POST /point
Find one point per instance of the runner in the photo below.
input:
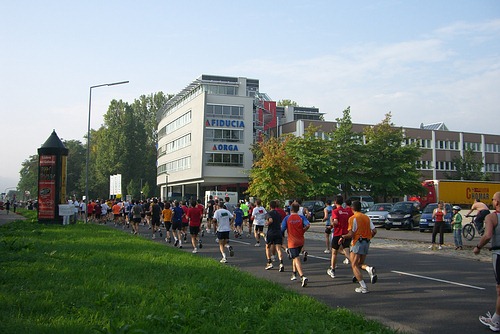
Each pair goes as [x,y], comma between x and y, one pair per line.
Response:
[259,220]
[340,223]
[295,225]
[274,238]
[223,219]
[167,220]
[177,215]
[194,218]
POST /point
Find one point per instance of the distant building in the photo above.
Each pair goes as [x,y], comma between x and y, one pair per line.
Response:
[205,133]
[440,146]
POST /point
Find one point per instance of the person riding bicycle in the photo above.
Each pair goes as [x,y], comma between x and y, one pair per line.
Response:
[482,210]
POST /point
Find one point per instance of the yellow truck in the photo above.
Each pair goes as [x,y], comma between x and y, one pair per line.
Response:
[458,192]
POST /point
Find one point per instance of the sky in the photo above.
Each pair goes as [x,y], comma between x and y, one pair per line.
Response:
[425,61]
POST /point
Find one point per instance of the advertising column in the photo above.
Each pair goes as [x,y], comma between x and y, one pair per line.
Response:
[52,157]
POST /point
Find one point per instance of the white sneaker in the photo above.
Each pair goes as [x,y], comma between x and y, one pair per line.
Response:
[431,246]
[373,275]
[326,251]
[361,290]
[223,260]
[269,266]
[257,244]
[440,247]
[488,321]
[346,261]
[331,272]
[195,250]
[304,281]
[294,277]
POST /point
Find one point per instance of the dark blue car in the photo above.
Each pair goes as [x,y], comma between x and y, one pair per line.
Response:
[426,222]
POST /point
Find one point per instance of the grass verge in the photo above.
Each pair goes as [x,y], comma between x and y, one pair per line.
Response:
[88,278]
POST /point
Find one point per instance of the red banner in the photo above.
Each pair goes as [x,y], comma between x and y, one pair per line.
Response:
[47,187]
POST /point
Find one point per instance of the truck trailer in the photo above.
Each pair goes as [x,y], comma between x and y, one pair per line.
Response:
[458,192]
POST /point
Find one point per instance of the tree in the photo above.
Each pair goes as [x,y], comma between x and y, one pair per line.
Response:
[275,175]
[391,166]
[28,181]
[313,156]
[286,102]
[347,156]
[75,167]
[469,167]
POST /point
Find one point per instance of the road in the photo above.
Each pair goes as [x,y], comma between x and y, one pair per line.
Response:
[418,290]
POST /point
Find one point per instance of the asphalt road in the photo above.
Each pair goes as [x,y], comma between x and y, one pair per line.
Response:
[418,291]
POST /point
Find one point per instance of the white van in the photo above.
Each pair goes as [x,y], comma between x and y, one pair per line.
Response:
[367,199]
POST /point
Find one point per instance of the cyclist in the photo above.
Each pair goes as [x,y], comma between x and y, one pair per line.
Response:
[482,210]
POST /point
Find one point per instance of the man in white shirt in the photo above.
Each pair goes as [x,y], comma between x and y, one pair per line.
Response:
[259,220]
[223,219]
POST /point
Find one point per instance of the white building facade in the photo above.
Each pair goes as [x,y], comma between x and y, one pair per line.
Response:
[205,133]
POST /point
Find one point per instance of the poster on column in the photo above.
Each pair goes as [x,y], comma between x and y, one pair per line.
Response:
[47,187]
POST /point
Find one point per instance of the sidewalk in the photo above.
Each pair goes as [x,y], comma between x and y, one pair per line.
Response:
[7,218]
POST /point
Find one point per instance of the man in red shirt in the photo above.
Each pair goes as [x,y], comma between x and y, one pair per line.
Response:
[340,222]
[295,225]
[194,214]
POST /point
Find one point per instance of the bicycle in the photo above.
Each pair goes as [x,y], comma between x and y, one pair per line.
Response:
[469,229]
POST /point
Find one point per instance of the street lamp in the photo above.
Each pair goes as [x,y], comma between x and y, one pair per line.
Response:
[88,141]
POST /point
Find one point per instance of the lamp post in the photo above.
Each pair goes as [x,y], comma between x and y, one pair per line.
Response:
[88,140]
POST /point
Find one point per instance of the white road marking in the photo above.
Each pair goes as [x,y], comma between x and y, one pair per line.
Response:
[438,280]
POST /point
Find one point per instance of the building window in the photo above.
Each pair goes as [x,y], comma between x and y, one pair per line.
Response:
[225,135]
[217,110]
[178,143]
[174,166]
[221,90]
[492,168]
[225,159]
[174,125]
[472,146]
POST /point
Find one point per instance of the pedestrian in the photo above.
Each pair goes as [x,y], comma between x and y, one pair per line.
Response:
[274,238]
[295,226]
[438,218]
[177,215]
[456,223]
[245,208]
[482,211]
[167,220]
[155,218]
[238,221]
[361,230]
[327,215]
[136,216]
[194,219]
[340,224]
[223,219]
[210,212]
[259,221]
[185,220]
[492,232]
[7,206]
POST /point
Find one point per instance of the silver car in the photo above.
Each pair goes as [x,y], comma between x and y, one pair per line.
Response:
[378,213]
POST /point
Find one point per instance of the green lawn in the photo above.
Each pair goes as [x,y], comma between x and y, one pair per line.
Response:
[88,278]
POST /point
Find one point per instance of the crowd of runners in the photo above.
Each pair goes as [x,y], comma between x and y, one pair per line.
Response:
[280,228]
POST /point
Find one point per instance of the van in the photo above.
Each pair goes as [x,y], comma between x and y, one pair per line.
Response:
[367,199]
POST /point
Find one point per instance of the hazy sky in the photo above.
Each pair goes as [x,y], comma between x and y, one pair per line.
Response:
[425,61]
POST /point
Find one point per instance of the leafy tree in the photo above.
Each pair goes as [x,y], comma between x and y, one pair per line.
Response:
[347,156]
[469,167]
[275,175]
[391,166]
[75,167]
[286,102]
[313,156]
[29,176]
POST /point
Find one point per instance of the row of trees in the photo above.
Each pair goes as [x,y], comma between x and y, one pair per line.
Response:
[312,167]
[125,144]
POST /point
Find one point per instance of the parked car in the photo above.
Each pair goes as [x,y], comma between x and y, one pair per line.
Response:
[365,207]
[367,199]
[426,222]
[378,213]
[315,209]
[403,215]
